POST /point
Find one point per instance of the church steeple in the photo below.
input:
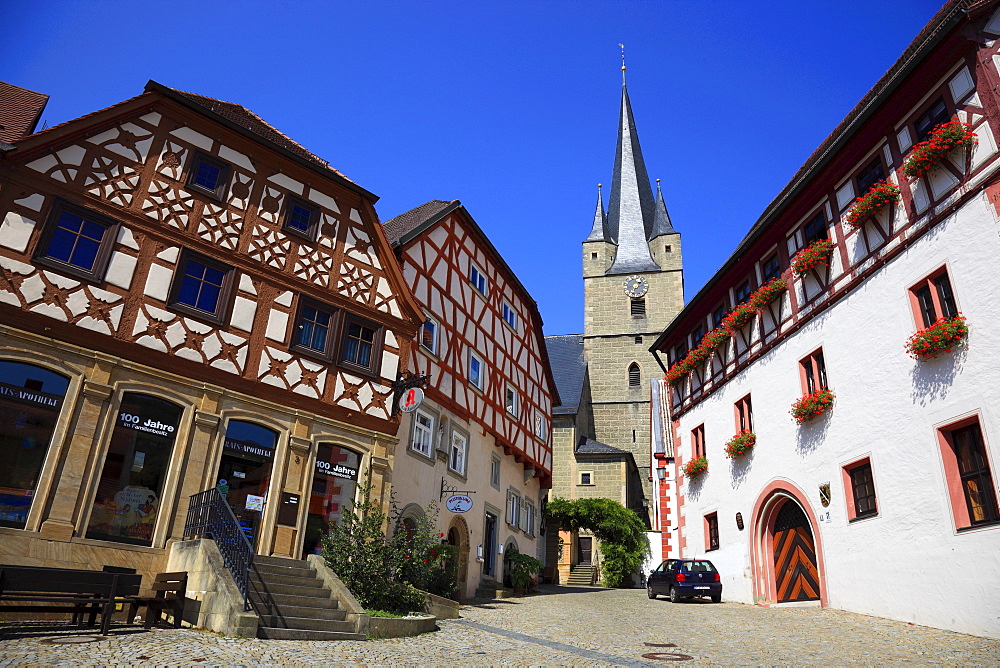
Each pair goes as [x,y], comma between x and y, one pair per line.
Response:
[599,232]
[631,207]
[661,219]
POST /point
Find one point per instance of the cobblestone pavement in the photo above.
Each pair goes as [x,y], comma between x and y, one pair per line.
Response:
[559,627]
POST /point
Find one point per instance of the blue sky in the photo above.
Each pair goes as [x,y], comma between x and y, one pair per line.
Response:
[510,107]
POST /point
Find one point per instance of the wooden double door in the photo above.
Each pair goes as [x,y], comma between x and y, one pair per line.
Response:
[795,572]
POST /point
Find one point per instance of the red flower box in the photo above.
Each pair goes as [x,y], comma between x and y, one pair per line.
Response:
[695,467]
[812,405]
[943,140]
[767,293]
[740,443]
[879,196]
[939,338]
[814,255]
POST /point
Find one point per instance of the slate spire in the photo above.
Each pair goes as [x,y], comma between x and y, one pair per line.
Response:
[661,219]
[599,232]
[631,207]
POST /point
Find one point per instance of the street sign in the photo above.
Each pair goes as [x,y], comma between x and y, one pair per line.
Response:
[458,503]
[411,399]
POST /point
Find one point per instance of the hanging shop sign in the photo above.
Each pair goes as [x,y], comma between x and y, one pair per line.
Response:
[458,503]
[411,400]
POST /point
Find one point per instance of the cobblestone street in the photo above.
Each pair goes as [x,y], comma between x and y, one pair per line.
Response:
[560,626]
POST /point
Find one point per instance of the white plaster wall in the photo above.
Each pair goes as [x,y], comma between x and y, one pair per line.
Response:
[909,562]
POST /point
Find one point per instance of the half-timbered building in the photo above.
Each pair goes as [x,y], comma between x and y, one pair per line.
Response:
[189,300]
[863,302]
[483,431]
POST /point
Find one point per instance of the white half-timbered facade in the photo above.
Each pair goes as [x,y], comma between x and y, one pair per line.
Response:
[857,505]
[485,425]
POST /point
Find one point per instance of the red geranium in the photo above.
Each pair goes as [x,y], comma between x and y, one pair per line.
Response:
[879,196]
[941,337]
[943,140]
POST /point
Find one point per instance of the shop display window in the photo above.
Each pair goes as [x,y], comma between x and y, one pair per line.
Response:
[245,472]
[334,485]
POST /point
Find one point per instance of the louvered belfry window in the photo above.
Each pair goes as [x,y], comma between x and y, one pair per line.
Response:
[638,308]
[633,375]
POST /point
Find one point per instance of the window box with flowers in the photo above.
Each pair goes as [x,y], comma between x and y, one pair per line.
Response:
[812,405]
[943,140]
[879,196]
[739,317]
[699,355]
[695,467]
[814,255]
[767,293]
[941,337]
[739,444]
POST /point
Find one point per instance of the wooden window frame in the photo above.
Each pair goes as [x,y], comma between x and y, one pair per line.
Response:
[956,480]
[849,474]
[719,314]
[511,401]
[225,170]
[743,412]
[711,532]
[330,346]
[698,441]
[821,226]
[495,467]
[528,513]
[513,509]
[925,112]
[430,436]
[312,229]
[378,339]
[767,274]
[103,257]
[481,385]
[812,372]
[224,303]
[876,165]
[541,426]
[932,283]
[451,452]
[742,292]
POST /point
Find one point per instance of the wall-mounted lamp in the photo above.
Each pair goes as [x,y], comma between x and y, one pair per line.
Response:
[661,472]
[479,553]
[500,548]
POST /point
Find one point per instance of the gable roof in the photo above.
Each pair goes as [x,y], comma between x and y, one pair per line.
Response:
[20,111]
[588,446]
[404,224]
[569,368]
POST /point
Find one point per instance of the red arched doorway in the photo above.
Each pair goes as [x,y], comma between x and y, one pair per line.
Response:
[787,554]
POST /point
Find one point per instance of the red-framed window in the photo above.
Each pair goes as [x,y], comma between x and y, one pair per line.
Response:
[698,441]
[859,486]
[711,532]
[932,298]
[812,372]
[968,474]
[744,414]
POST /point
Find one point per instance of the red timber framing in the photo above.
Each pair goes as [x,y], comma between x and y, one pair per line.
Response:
[130,163]
[437,253]
[952,59]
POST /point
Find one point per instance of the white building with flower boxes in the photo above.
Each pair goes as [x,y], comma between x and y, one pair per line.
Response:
[860,381]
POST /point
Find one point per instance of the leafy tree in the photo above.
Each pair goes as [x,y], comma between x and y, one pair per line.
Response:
[621,531]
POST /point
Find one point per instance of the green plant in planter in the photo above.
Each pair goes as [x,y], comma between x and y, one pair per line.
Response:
[739,317]
[811,405]
[695,467]
[939,338]
[767,293]
[879,196]
[523,568]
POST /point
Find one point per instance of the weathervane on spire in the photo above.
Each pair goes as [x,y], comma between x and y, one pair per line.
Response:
[623,61]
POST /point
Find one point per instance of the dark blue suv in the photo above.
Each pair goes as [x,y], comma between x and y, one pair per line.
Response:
[684,578]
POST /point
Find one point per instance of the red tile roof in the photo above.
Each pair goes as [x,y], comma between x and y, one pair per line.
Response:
[20,110]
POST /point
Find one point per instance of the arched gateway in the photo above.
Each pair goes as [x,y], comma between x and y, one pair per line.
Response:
[787,556]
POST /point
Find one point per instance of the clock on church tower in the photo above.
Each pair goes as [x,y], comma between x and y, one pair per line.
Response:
[636,286]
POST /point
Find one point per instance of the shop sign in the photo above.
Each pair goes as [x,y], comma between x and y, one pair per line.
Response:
[248,447]
[337,470]
[148,425]
[255,502]
[458,503]
[33,397]
[411,400]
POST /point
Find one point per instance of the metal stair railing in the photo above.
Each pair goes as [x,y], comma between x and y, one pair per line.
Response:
[209,516]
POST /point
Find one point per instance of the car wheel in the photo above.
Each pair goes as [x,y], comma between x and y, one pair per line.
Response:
[716,598]
[674,596]
[649,592]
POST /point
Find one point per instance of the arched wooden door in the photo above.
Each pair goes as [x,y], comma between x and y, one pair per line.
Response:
[795,573]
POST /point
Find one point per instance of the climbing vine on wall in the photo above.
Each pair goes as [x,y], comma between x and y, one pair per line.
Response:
[620,530]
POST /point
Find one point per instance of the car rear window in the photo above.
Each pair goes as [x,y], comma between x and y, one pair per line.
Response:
[699,567]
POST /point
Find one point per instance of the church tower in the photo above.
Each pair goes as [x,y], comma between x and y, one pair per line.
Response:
[633,287]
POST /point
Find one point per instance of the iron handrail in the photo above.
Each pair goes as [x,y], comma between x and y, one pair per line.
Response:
[209,516]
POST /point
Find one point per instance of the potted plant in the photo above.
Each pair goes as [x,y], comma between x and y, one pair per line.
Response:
[939,338]
[943,140]
[811,405]
[739,317]
[767,293]
[740,443]
[523,568]
[879,196]
[695,467]
[814,255]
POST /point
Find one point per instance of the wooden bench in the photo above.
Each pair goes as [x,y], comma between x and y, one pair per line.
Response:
[170,589]
[33,589]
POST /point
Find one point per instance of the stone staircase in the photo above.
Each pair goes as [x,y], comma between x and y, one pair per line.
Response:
[581,575]
[293,604]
